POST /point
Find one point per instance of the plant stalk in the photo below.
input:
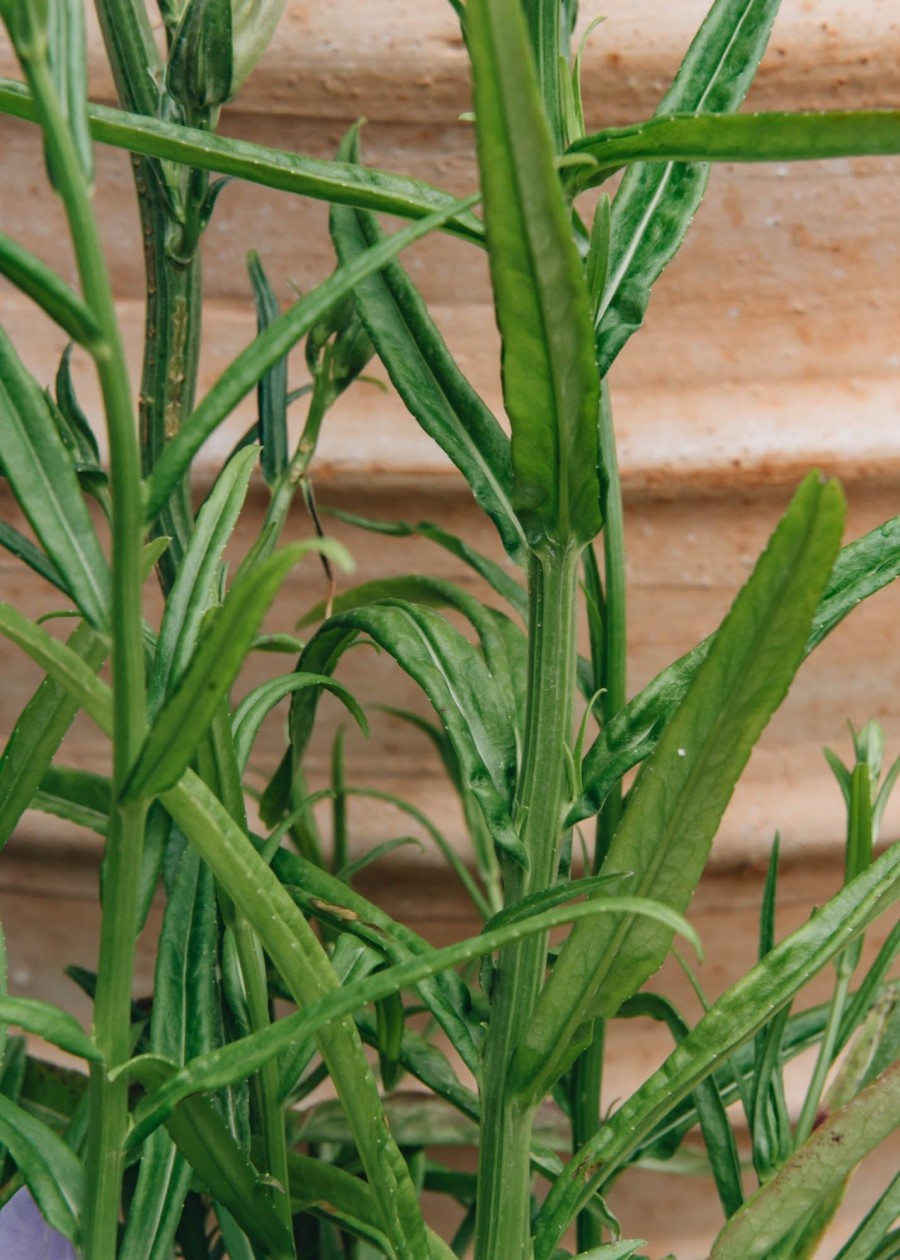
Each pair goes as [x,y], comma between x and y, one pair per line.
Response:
[587,1073]
[504,1178]
[108,1101]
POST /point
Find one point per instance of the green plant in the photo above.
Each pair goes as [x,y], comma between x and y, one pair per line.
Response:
[199,1095]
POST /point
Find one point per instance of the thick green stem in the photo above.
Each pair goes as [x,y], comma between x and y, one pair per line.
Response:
[504,1178]
[112,1010]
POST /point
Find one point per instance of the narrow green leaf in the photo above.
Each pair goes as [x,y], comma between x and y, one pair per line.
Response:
[655,203]
[328,1191]
[862,568]
[52,1024]
[497,578]
[204,1140]
[718,1135]
[44,482]
[197,587]
[76,795]
[456,681]
[550,385]
[173,739]
[445,994]
[250,714]
[182,1024]
[67,54]
[39,731]
[272,390]
[824,1161]
[269,347]
[864,1242]
[295,951]
[337,182]
[237,1060]
[52,1172]
[503,644]
[37,281]
[705,137]
[425,374]
[26,551]
[675,806]
[731,1020]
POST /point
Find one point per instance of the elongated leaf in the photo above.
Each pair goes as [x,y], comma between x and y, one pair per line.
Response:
[53,295]
[655,204]
[254,708]
[731,1020]
[503,644]
[52,1172]
[43,480]
[40,729]
[76,795]
[745,138]
[196,588]
[862,568]
[182,1024]
[718,1135]
[425,374]
[872,1230]
[445,994]
[24,549]
[338,182]
[323,1188]
[295,951]
[203,1139]
[550,385]
[238,1059]
[54,1025]
[496,577]
[675,807]
[174,737]
[457,683]
[269,347]
[823,1162]
[67,54]
[271,392]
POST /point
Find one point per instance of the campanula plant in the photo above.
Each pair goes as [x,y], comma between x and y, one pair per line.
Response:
[183,1138]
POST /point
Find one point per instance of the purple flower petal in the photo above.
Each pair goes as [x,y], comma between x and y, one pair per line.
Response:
[24,1232]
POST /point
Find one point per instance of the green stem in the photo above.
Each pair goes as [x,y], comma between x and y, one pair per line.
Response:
[827,1050]
[112,1009]
[504,1177]
[587,1074]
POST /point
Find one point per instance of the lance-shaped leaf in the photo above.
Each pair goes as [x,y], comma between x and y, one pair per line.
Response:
[51,1170]
[39,732]
[425,374]
[655,204]
[675,807]
[550,386]
[40,471]
[813,1173]
[269,347]
[744,138]
[254,708]
[54,1025]
[67,49]
[453,675]
[52,294]
[733,1018]
[174,737]
[874,1228]
[182,1024]
[196,588]
[239,1058]
[338,182]
[862,568]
